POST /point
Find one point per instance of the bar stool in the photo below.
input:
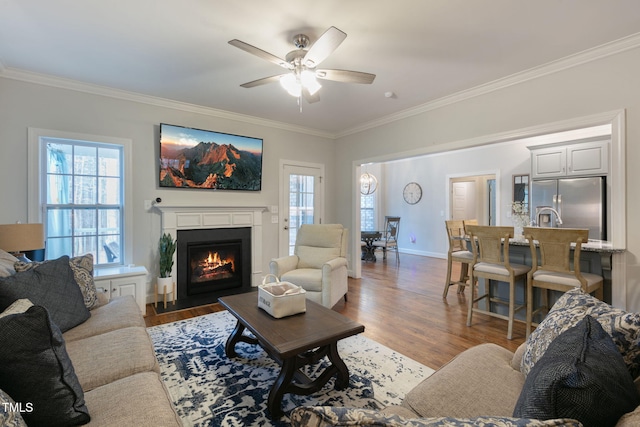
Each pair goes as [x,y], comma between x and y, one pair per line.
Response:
[457,253]
[491,262]
[555,271]
[469,222]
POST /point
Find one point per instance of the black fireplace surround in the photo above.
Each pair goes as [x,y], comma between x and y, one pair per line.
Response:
[194,288]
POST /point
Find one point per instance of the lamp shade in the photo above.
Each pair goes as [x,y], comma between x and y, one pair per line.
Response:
[21,237]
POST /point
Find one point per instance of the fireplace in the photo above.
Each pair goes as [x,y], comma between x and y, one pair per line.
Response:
[212,263]
[198,220]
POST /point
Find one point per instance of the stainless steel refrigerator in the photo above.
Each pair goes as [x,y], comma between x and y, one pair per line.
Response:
[580,202]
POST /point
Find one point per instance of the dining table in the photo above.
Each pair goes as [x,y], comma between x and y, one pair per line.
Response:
[368,249]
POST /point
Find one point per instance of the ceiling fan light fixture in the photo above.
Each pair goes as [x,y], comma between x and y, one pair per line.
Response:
[308,79]
[291,84]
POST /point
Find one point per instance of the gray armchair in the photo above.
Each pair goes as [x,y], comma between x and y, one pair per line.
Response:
[319,263]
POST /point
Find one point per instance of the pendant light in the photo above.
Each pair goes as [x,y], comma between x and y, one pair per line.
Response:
[368,184]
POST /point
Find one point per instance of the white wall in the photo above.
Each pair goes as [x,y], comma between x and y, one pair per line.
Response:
[607,84]
[24,105]
[425,220]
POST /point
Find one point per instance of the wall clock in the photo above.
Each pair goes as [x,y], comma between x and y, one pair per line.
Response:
[412,193]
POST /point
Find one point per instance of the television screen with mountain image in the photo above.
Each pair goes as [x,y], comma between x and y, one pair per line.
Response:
[196,158]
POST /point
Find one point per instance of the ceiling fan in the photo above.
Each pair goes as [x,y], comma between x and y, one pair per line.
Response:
[300,80]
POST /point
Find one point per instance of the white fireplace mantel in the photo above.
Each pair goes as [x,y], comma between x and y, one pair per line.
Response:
[175,218]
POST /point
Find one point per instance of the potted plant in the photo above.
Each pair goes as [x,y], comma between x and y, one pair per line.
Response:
[166,249]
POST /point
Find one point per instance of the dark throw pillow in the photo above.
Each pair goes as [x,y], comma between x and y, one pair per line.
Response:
[82,267]
[582,376]
[573,306]
[36,371]
[51,285]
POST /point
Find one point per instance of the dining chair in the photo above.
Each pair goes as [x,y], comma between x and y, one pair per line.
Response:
[458,252]
[557,269]
[490,245]
[389,240]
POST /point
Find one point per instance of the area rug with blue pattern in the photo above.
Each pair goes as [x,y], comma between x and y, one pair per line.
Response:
[209,389]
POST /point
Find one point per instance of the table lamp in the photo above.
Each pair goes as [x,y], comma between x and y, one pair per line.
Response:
[20,238]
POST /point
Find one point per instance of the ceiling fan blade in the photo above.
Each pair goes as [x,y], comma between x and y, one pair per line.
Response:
[260,53]
[263,81]
[346,76]
[310,98]
[322,48]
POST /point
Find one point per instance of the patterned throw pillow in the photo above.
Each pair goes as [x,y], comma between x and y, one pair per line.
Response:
[6,264]
[329,416]
[10,412]
[575,305]
[82,267]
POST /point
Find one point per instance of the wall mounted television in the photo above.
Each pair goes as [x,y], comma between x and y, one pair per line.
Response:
[196,158]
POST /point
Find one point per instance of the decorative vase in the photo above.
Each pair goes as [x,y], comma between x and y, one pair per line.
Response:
[518,231]
[519,222]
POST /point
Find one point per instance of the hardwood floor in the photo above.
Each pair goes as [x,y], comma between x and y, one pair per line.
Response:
[402,308]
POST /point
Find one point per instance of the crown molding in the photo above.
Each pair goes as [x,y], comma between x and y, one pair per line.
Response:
[589,55]
[62,83]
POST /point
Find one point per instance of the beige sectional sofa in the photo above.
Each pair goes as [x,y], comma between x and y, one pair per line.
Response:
[69,356]
[114,360]
[488,385]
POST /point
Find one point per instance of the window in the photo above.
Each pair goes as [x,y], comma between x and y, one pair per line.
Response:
[81,196]
[368,212]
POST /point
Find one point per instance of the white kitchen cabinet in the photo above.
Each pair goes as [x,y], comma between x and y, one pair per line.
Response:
[589,158]
[119,281]
[580,159]
[548,162]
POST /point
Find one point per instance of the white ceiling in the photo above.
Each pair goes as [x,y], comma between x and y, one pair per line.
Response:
[421,50]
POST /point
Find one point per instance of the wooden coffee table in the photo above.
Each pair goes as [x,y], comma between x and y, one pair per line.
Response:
[293,342]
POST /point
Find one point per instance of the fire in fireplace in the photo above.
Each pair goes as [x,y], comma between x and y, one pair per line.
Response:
[212,263]
[214,266]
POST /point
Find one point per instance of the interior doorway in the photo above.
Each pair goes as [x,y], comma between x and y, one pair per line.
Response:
[473,197]
[463,200]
